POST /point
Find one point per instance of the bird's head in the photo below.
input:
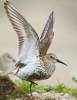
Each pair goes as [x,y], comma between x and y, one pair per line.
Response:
[8,58]
[53,58]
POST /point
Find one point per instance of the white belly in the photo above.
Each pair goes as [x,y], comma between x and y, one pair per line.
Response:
[28,70]
[40,72]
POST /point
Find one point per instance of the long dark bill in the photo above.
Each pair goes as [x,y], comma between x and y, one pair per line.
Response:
[61,62]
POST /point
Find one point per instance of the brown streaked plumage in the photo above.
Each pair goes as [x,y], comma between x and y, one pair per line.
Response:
[46,59]
[47,35]
[33,62]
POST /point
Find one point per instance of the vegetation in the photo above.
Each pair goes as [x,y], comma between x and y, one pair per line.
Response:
[59,88]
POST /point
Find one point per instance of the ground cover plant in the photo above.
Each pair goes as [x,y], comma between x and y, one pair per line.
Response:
[60,87]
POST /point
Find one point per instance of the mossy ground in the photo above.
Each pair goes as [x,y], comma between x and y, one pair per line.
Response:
[10,90]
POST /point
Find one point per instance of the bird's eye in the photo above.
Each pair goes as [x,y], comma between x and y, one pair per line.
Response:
[51,57]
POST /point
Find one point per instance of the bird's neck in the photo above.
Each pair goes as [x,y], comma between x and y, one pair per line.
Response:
[46,61]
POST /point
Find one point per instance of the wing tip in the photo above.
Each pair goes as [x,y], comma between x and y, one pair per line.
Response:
[52,17]
[52,12]
[6,3]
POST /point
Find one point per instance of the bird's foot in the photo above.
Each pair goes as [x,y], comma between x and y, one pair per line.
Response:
[32,83]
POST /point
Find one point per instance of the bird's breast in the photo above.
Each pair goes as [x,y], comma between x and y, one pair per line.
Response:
[50,68]
[34,72]
[42,72]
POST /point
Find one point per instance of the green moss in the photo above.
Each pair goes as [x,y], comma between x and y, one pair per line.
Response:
[59,88]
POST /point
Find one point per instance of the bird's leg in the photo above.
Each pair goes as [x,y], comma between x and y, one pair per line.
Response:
[32,83]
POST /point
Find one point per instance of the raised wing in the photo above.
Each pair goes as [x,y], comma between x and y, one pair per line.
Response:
[28,38]
[47,35]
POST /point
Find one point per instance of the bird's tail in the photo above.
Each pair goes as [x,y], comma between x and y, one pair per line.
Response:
[13,72]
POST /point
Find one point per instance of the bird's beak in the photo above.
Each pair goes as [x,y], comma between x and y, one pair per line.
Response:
[14,60]
[60,62]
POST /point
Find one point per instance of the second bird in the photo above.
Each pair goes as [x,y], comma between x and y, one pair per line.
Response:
[5,60]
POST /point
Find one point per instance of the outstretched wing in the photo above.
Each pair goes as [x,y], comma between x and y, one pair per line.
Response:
[47,35]
[28,38]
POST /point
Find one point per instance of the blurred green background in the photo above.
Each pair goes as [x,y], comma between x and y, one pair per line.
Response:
[64,44]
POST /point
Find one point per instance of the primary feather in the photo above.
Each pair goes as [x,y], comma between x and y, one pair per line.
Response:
[30,47]
[28,38]
[47,35]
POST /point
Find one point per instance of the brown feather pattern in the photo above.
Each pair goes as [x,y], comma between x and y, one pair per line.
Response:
[21,25]
[47,35]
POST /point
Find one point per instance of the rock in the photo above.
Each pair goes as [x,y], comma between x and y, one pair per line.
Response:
[9,90]
[53,96]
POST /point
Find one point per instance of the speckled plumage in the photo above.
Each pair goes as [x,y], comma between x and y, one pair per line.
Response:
[33,63]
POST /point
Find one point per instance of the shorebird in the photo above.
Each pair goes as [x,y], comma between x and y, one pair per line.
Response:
[33,63]
[5,60]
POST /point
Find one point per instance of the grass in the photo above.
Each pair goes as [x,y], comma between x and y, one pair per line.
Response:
[59,88]
[23,85]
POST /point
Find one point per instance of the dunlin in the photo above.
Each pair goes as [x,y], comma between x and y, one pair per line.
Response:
[32,63]
[5,60]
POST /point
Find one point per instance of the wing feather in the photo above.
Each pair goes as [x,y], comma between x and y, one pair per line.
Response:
[27,36]
[47,35]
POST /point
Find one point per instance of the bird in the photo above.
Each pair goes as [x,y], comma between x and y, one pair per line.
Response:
[5,60]
[33,62]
